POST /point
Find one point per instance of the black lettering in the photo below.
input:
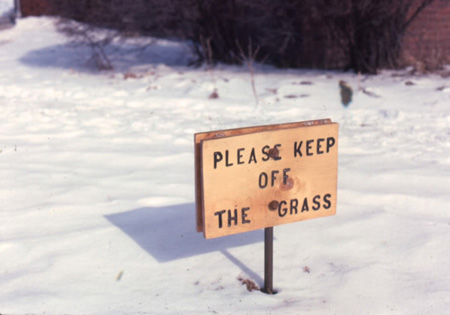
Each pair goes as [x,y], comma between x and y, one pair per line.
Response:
[316,202]
[309,147]
[219,214]
[277,158]
[330,142]
[252,157]
[298,149]
[227,163]
[285,176]
[319,145]
[232,218]
[294,205]
[305,206]
[327,202]
[274,177]
[265,151]
[239,156]
[263,180]
[282,211]
[244,215]
[217,158]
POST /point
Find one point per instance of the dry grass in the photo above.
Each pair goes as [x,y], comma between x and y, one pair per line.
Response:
[251,285]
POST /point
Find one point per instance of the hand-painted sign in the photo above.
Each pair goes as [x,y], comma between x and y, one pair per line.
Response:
[258,177]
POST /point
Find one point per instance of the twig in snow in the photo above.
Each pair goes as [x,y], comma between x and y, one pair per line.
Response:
[249,58]
[209,62]
[369,93]
[251,285]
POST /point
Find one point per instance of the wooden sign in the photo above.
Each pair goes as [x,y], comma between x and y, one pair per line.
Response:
[259,177]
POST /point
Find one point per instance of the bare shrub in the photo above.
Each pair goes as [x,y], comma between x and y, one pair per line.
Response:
[273,26]
[119,20]
[86,34]
[288,33]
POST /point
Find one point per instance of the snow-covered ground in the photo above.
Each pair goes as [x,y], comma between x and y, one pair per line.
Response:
[6,13]
[97,187]
[6,6]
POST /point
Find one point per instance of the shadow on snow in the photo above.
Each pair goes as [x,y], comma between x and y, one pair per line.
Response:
[122,56]
[168,233]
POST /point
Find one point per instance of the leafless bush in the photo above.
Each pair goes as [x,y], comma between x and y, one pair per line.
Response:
[273,26]
[96,40]
[368,32]
[117,20]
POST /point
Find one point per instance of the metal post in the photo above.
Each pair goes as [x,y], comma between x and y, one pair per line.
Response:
[268,260]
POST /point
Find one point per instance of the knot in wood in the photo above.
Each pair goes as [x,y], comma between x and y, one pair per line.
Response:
[273,153]
[273,205]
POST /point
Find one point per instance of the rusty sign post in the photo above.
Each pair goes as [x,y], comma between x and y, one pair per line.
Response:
[268,261]
[259,177]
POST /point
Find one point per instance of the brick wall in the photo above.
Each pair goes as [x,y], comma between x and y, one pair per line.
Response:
[427,40]
[35,8]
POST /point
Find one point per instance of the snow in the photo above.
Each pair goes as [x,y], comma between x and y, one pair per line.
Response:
[97,187]
[6,6]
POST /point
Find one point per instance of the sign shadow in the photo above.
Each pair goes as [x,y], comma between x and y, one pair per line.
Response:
[168,233]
